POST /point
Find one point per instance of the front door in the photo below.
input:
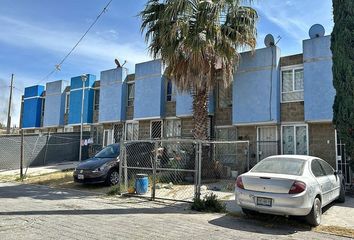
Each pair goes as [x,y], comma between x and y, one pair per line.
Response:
[107,137]
[267,144]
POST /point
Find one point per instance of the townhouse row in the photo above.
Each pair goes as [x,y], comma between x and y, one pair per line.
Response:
[282,105]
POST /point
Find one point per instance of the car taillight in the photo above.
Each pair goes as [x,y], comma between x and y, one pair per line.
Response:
[297,187]
[239,182]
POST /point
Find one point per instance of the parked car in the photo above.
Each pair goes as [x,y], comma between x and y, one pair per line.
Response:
[290,185]
[102,168]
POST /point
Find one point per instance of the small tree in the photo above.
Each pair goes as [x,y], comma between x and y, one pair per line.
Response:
[342,46]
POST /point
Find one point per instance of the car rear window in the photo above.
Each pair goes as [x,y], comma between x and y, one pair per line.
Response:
[289,166]
[111,151]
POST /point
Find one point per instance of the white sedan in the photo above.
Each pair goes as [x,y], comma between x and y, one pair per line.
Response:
[290,185]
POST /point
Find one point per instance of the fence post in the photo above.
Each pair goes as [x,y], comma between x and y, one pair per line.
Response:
[248,155]
[153,193]
[121,156]
[199,169]
[21,154]
[196,173]
[125,168]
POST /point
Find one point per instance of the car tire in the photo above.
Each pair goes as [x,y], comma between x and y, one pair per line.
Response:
[112,178]
[341,198]
[314,217]
[248,212]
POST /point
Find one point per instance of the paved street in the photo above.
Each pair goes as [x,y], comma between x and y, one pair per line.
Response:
[38,212]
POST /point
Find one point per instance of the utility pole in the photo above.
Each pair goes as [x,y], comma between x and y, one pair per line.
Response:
[10,103]
[83,79]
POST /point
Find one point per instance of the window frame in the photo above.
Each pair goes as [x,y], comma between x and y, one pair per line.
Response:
[172,94]
[96,106]
[220,85]
[130,100]
[133,123]
[292,68]
[294,125]
[177,123]
[67,103]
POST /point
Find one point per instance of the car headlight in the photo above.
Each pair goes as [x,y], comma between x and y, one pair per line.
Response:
[101,168]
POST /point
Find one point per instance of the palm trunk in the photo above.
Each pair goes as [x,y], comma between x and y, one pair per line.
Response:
[200,114]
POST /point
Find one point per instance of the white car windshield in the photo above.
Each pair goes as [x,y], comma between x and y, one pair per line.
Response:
[289,166]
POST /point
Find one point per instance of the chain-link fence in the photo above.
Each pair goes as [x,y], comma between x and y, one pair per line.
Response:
[179,169]
[40,149]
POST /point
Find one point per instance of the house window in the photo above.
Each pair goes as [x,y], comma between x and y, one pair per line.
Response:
[172,128]
[132,131]
[96,105]
[67,102]
[156,129]
[131,93]
[171,92]
[294,138]
[224,95]
[292,85]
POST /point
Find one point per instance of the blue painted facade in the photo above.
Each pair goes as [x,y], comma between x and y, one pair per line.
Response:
[32,106]
[184,104]
[112,100]
[54,104]
[256,88]
[76,100]
[319,92]
[149,102]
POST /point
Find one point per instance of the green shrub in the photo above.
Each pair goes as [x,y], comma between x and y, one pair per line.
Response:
[210,203]
[114,190]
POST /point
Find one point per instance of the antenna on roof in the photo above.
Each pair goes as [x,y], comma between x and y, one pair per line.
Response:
[278,39]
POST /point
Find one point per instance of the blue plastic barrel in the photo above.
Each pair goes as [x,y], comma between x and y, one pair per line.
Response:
[141,183]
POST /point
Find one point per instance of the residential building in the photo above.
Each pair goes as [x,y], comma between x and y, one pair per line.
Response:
[282,105]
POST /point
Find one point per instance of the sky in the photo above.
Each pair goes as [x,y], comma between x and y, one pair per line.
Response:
[36,34]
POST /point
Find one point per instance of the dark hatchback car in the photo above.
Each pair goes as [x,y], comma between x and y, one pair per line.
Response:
[102,168]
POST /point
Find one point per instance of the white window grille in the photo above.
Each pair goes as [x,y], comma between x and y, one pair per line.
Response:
[295,139]
[132,131]
[172,128]
[292,85]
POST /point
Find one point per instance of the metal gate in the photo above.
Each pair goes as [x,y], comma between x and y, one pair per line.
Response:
[181,169]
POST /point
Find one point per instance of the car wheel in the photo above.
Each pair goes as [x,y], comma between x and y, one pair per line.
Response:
[112,178]
[314,217]
[341,198]
[249,212]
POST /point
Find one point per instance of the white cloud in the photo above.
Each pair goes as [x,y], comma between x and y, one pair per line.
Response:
[101,47]
[296,17]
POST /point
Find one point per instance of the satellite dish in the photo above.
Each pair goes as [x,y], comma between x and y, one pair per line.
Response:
[316,31]
[117,63]
[269,40]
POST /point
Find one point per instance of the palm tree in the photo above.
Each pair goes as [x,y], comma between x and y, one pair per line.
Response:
[195,39]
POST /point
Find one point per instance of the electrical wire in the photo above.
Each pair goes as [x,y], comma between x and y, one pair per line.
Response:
[58,66]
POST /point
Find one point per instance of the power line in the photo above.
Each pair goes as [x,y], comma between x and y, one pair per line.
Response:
[58,66]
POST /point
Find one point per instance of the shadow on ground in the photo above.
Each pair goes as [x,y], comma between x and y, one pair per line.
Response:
[36,192]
